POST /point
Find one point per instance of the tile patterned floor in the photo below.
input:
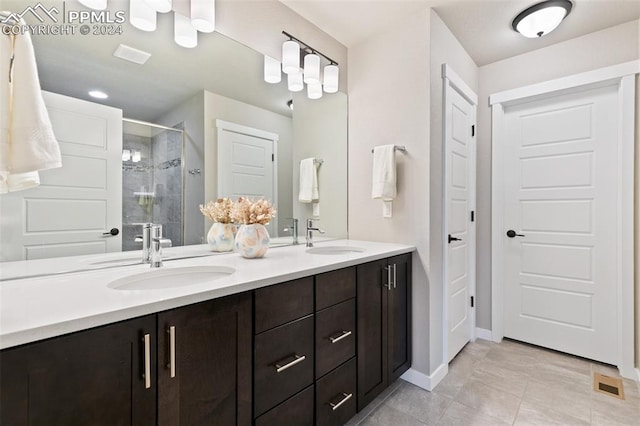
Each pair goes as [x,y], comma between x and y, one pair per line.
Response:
[509,383]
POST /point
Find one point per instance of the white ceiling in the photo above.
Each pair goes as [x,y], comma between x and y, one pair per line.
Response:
[483,27]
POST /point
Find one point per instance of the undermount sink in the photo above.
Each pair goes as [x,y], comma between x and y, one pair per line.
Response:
[165,278]
[335,250]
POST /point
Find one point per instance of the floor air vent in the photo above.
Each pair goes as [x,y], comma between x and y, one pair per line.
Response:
[608,385]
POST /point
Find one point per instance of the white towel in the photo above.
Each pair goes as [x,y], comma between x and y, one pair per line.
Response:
[308,181]
[27,142]
[384,177]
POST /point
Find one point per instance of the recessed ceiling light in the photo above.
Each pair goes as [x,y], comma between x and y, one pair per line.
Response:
[131,54]
[541,18]
[98,94]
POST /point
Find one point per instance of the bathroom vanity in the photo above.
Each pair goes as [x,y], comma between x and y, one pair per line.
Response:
[299,337]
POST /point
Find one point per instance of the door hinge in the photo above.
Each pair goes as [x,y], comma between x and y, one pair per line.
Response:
[472,301]
[273,157]
[473,216]
[473,130]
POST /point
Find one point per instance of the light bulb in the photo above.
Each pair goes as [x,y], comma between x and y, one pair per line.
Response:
[314,91]
[290,57]
[184,34]
[294,82]
[142,16]
[136,156]
[312,69]
[272,73]
[331,78]
[126,155]
[203,15]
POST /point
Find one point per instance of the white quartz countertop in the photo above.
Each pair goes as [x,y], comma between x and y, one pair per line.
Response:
[33,309]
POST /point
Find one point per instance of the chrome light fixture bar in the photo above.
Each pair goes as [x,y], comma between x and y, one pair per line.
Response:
[541,18]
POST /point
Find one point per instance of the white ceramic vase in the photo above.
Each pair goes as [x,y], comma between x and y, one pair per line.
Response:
[221,236]
[252,240]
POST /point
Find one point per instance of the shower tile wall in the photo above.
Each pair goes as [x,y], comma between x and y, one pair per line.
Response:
[159,172]
[136,177]
[167,157]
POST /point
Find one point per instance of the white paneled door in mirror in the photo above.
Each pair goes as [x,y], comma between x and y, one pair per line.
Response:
[76,206]
[560,218]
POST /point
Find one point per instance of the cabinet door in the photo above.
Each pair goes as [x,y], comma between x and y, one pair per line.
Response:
[211,381]
[93,377]
[372,299]
[399,317]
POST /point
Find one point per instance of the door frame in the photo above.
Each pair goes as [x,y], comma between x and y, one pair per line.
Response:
[222,125]
[452,81]
[623,75]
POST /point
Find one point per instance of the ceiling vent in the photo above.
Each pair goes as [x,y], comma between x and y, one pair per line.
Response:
[131,54]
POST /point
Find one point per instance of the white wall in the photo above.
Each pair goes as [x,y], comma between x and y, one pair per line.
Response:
[389,103]
[231,110]
[319,131]
[596,50]
[445,48]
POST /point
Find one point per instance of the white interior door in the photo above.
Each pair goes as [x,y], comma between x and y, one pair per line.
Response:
[246,160]
[76,204]
[560,199]
[459,139]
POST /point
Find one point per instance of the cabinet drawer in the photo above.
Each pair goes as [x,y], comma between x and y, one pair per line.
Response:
[335,336]
[281,303]
[334,287]
[334,406]
[296,411]
[275,350]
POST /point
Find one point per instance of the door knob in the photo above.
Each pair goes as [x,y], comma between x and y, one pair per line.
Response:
[453,239]
[112,233]
[511,233]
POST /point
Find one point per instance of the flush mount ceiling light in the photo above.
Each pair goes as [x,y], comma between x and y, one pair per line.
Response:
[541,18]
[98,94]
[292,50]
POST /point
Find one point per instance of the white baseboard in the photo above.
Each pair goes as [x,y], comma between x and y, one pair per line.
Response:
[484,334]
[424,381]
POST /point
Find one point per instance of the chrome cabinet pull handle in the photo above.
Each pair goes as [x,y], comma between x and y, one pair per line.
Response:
[395,275]
[172,351]
[342,335]
[147,361]
[347,396]
[297,359]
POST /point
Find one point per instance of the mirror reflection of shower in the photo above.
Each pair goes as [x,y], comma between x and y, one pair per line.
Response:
[152,181]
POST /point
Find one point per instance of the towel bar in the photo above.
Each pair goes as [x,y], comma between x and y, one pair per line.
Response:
[400,148]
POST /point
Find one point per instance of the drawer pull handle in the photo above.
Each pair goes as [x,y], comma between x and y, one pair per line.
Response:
[172,351]
[147,361]
[347,396]
[340,337]
[298,359]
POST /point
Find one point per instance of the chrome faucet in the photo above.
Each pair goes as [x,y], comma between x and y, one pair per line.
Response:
[147,239]
[293,229]
[156,246]
[310,230]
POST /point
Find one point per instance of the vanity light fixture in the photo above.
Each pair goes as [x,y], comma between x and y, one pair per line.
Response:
[184,34]
[292,50]
[541,18]
[94,4]
[162,6]
[98,94]
[272,72]
[142,16]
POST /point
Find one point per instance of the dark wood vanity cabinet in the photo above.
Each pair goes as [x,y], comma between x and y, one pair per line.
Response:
[99,376]
[384,324]
[204,363]
[93,377]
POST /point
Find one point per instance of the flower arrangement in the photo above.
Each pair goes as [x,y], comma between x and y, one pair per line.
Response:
[219,212]
[247,212]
